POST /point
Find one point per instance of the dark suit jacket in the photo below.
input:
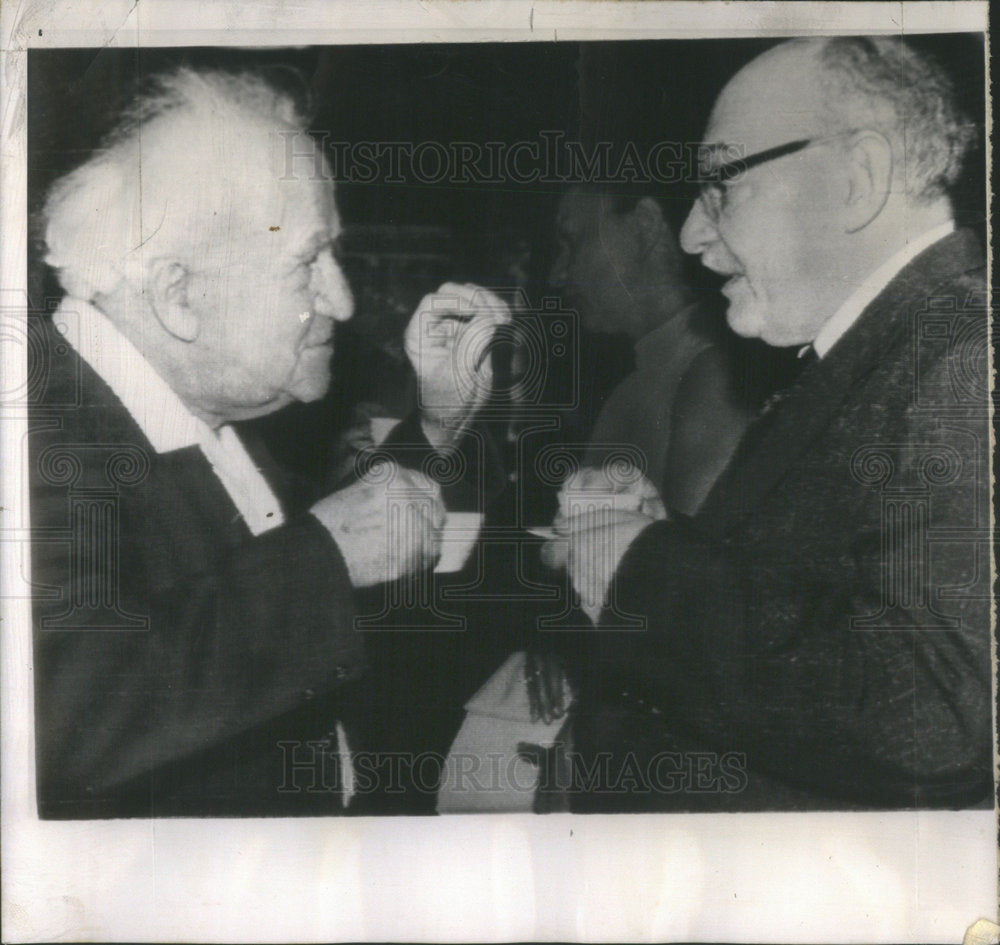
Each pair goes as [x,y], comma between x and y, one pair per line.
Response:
[180,663]
[822,625]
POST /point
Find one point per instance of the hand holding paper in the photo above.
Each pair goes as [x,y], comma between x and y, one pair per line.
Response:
[385,528]
[601,512]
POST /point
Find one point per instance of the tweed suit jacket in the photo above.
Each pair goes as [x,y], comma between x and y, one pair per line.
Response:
[824,618]
[178,660]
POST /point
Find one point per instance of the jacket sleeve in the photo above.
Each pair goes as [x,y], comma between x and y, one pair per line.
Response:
[225,648]
[753,642]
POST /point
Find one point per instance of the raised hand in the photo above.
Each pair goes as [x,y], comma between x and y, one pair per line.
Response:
[448,341]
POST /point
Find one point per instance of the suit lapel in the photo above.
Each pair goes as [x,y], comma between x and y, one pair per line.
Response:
[289,493]
[881,335]
[110,421]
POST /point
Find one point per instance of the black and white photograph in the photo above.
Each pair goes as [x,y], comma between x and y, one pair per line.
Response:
[550,462]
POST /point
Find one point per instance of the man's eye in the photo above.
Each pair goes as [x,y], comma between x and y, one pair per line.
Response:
[725,188]
[313,261]
[321,250]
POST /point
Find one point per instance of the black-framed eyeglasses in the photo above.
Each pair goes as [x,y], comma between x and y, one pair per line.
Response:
[713,184]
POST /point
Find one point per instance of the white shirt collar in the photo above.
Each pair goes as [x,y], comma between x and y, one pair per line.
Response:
[867,292]
[162,416]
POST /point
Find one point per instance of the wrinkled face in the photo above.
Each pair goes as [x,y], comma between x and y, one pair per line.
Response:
[773,226]
[267,310]
[596,270]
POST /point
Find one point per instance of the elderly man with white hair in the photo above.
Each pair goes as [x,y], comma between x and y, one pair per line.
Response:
[817,635]
[194,636]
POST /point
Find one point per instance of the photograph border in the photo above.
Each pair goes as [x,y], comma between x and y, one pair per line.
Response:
[816,877]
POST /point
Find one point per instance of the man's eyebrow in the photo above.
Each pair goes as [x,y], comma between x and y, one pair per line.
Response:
[319,241]
[725,151]
[720,160]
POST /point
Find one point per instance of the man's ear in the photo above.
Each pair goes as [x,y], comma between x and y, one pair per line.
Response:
[167,293]
[647,218]
[869,178]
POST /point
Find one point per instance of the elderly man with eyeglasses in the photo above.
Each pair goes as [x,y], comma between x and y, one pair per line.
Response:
[817,636]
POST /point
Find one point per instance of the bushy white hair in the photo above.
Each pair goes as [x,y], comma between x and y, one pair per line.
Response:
[161,176]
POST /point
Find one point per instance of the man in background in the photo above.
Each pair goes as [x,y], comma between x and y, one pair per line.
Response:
[683,409]
[676,419]
[818,634]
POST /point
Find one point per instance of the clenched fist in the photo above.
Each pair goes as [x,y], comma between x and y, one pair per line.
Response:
[386,527]
[448,342]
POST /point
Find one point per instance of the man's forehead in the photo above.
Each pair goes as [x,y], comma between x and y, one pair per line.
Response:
[312,207]
[775,99]
[321,196]
[298,214]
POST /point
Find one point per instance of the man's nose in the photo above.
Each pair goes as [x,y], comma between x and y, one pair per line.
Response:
[333,295]
[698,230]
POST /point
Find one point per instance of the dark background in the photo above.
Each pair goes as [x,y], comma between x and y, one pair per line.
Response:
[618,91]
[621,91]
